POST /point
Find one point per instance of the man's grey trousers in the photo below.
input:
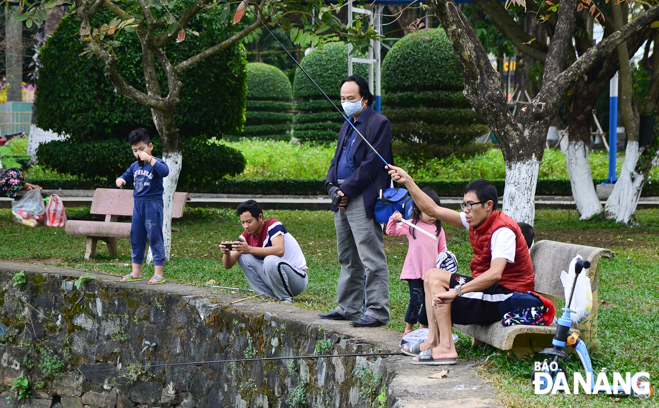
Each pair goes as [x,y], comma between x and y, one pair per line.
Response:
[360,246]
[273,276]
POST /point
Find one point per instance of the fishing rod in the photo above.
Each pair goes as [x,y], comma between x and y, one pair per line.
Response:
[418,228]
[244,360]
[314,82]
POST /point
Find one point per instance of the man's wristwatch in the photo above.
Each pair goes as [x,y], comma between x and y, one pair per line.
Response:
[457,289]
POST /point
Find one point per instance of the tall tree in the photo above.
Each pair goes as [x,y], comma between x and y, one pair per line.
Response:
[523,148]
[158,23]
[13,57]
[583,95]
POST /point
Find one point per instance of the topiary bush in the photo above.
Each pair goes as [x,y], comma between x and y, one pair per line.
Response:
[318,121]
[204,162]
[423,98]
[269,97]
[76,98]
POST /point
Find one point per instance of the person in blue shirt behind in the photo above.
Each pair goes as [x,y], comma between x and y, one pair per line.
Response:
[146,174]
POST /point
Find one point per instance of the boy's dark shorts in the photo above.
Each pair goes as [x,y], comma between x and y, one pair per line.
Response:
[477,307]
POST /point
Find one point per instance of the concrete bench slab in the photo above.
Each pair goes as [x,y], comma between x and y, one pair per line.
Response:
[113,203]
[549,259]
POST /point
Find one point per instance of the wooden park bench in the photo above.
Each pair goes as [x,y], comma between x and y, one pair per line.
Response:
[112,203]
[549,259]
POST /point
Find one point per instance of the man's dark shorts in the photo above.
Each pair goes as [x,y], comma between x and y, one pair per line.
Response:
[477,307]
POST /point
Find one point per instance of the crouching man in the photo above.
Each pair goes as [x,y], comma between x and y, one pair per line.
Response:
[268,255]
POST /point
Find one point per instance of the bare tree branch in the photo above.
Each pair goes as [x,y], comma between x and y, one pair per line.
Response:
[94,8]
[561,40]
[187,64]
[512,30]
[116,10]
[182,23]
[566,79]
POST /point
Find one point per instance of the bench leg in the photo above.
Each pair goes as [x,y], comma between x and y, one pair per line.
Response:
[91,247]
[112,246]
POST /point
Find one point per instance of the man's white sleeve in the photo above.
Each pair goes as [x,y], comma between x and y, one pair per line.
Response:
[503,244]
[463,218]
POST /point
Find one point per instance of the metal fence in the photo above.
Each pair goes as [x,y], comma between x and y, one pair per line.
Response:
[15,122]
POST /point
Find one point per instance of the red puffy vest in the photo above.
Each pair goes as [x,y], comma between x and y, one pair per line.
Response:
[517,276]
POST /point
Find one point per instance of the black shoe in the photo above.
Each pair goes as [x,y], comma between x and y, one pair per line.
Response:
[367,321]
[333,315]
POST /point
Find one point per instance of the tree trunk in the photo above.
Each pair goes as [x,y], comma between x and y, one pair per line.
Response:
[13,57]
[639,160]
[519,194]
[584,98]
[581,179]
[171,154]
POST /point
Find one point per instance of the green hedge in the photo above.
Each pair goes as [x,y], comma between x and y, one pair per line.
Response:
[429,99]
[425,134]
[262,130]
[318,117]
[328,65]
[437,113]
[203,163]
[267,115]
[433,116]
[267,106]
[268,83]
[76,98]
[321,126]
[420,151]
[317,136]
[422,61]
[552,187]
[316,105]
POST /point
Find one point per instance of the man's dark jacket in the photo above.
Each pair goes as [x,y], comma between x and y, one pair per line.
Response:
[368,166]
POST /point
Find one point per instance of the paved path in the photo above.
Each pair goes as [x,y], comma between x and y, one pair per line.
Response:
[83,198]
[411,386]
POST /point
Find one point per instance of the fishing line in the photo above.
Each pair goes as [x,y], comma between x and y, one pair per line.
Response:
[244,360]
[314,82]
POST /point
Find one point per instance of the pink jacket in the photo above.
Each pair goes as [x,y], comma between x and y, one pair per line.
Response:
[422,251]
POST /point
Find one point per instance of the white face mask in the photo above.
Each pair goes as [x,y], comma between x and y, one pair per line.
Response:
[352,108]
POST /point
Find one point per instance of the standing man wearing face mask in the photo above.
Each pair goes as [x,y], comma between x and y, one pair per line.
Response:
[353,182]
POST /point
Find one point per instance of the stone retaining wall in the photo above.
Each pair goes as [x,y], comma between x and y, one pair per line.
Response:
[86,343]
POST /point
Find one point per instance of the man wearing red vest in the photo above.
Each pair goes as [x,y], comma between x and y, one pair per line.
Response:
[501,265]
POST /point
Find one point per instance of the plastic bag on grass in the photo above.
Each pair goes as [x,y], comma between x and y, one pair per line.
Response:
[29,210]
[582,301]
[55,212]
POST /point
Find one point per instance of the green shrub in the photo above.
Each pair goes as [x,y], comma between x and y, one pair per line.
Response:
[430,99]
[328,65]
[421,62]
[423,98]
[268,102]
[204,162]
[267,105]
[76,98]
[268,83]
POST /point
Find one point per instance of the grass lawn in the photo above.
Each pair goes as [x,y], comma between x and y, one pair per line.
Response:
[629,284]
[276,160]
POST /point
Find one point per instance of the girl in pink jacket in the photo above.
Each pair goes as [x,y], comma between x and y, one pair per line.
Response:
[421,256]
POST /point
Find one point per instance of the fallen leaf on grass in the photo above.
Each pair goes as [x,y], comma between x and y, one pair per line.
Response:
[441,374]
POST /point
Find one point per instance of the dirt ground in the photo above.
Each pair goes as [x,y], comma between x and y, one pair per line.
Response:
[598,238]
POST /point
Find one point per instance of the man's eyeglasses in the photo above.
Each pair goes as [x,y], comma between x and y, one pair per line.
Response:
[468,206]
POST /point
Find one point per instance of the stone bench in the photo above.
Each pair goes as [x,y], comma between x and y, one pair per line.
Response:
[113,203]
[549,259]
